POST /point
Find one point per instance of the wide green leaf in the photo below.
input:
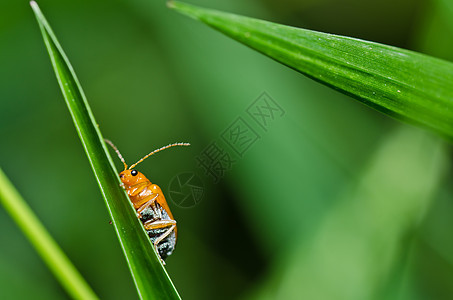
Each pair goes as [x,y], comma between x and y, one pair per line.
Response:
[407,85]
[150,277]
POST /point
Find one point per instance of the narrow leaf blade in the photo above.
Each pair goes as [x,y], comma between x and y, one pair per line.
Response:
[404,84]
[43,242]
[150,277]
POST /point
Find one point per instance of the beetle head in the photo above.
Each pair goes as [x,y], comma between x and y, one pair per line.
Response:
[131,177]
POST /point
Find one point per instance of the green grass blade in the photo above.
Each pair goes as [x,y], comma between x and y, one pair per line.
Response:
[38,236]
[407,85]
[150,277]
[360,247]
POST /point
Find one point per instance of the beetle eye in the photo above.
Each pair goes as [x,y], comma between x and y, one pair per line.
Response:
[134,172]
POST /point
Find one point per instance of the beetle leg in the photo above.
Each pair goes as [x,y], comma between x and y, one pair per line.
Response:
[150,224]
[160,224]
[137,189]
[147,204]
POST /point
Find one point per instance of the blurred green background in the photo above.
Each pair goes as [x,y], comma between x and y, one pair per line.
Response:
[333,201]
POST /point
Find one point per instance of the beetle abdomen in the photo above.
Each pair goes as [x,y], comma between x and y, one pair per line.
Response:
[155,213]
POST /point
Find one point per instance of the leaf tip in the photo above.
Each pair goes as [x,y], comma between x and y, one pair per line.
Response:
[33,4]
[35,8]
[186,9]
[170,4]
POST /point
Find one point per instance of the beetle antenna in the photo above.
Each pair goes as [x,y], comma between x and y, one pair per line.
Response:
[158,150]
[117,152]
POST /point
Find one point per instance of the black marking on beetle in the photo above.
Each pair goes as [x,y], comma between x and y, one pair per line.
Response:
[155,212]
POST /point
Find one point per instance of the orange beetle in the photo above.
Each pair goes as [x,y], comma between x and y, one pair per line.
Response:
[150,204]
